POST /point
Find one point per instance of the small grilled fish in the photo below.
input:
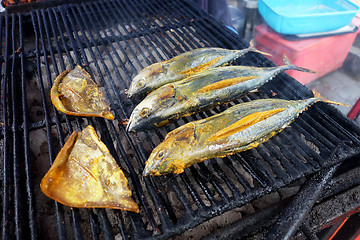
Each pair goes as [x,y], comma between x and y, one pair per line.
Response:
[182,66]
[200,92]
[239,128]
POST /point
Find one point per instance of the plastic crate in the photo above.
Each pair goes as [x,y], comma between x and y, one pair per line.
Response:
[323,55]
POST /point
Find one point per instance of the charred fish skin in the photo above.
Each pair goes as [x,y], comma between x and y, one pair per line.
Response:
[182,66]
[239,128]
[200,92]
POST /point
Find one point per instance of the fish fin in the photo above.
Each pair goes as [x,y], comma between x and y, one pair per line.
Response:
[286,60]
[253,49]
[201,67]
[291,66]
[156,68]
[185,132]
[166,92]
[244,123]
[323,99]
[224,83]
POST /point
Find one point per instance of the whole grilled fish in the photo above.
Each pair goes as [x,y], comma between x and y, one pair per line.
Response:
[200,92]
[182,66]
[239,128]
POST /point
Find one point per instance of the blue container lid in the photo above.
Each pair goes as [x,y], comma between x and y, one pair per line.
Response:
[307,16]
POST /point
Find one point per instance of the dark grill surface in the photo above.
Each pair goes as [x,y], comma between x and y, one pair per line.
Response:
[113,40]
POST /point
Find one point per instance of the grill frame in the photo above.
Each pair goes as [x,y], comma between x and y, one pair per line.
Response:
[19,196]
[343,185]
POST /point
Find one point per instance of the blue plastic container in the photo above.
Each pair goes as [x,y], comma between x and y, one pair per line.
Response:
[307,16]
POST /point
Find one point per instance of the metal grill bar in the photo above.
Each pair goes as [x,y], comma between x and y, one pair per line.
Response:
[7,211]
[29,178]
[16,145]
[58,207]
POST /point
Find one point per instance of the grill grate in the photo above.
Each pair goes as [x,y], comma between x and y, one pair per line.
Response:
[114,40]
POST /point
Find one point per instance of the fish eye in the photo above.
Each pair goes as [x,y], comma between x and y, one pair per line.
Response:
[144,112]
[160,154]
[140,83]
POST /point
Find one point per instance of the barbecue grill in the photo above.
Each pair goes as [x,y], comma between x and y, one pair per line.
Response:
[114,40]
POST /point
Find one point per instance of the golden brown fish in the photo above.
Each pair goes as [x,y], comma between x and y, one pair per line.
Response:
[182,66]
[85,175]
[239,128]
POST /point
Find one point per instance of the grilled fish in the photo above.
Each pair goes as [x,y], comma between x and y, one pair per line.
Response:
[74,92]
[182,66]
[239,128]
[200,92]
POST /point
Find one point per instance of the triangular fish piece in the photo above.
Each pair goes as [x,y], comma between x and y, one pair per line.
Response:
[85,175]
[75,93]
[244,123]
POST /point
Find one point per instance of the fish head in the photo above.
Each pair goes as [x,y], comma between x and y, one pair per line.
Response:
[172,154]
[146,80]
[154,110]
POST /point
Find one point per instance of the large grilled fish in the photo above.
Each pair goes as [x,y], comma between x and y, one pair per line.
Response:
[182,66]
[200,92]
[239,128]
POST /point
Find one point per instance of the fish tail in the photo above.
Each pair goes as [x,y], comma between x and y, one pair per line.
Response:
[252,48]
[323,99]
[289,65]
